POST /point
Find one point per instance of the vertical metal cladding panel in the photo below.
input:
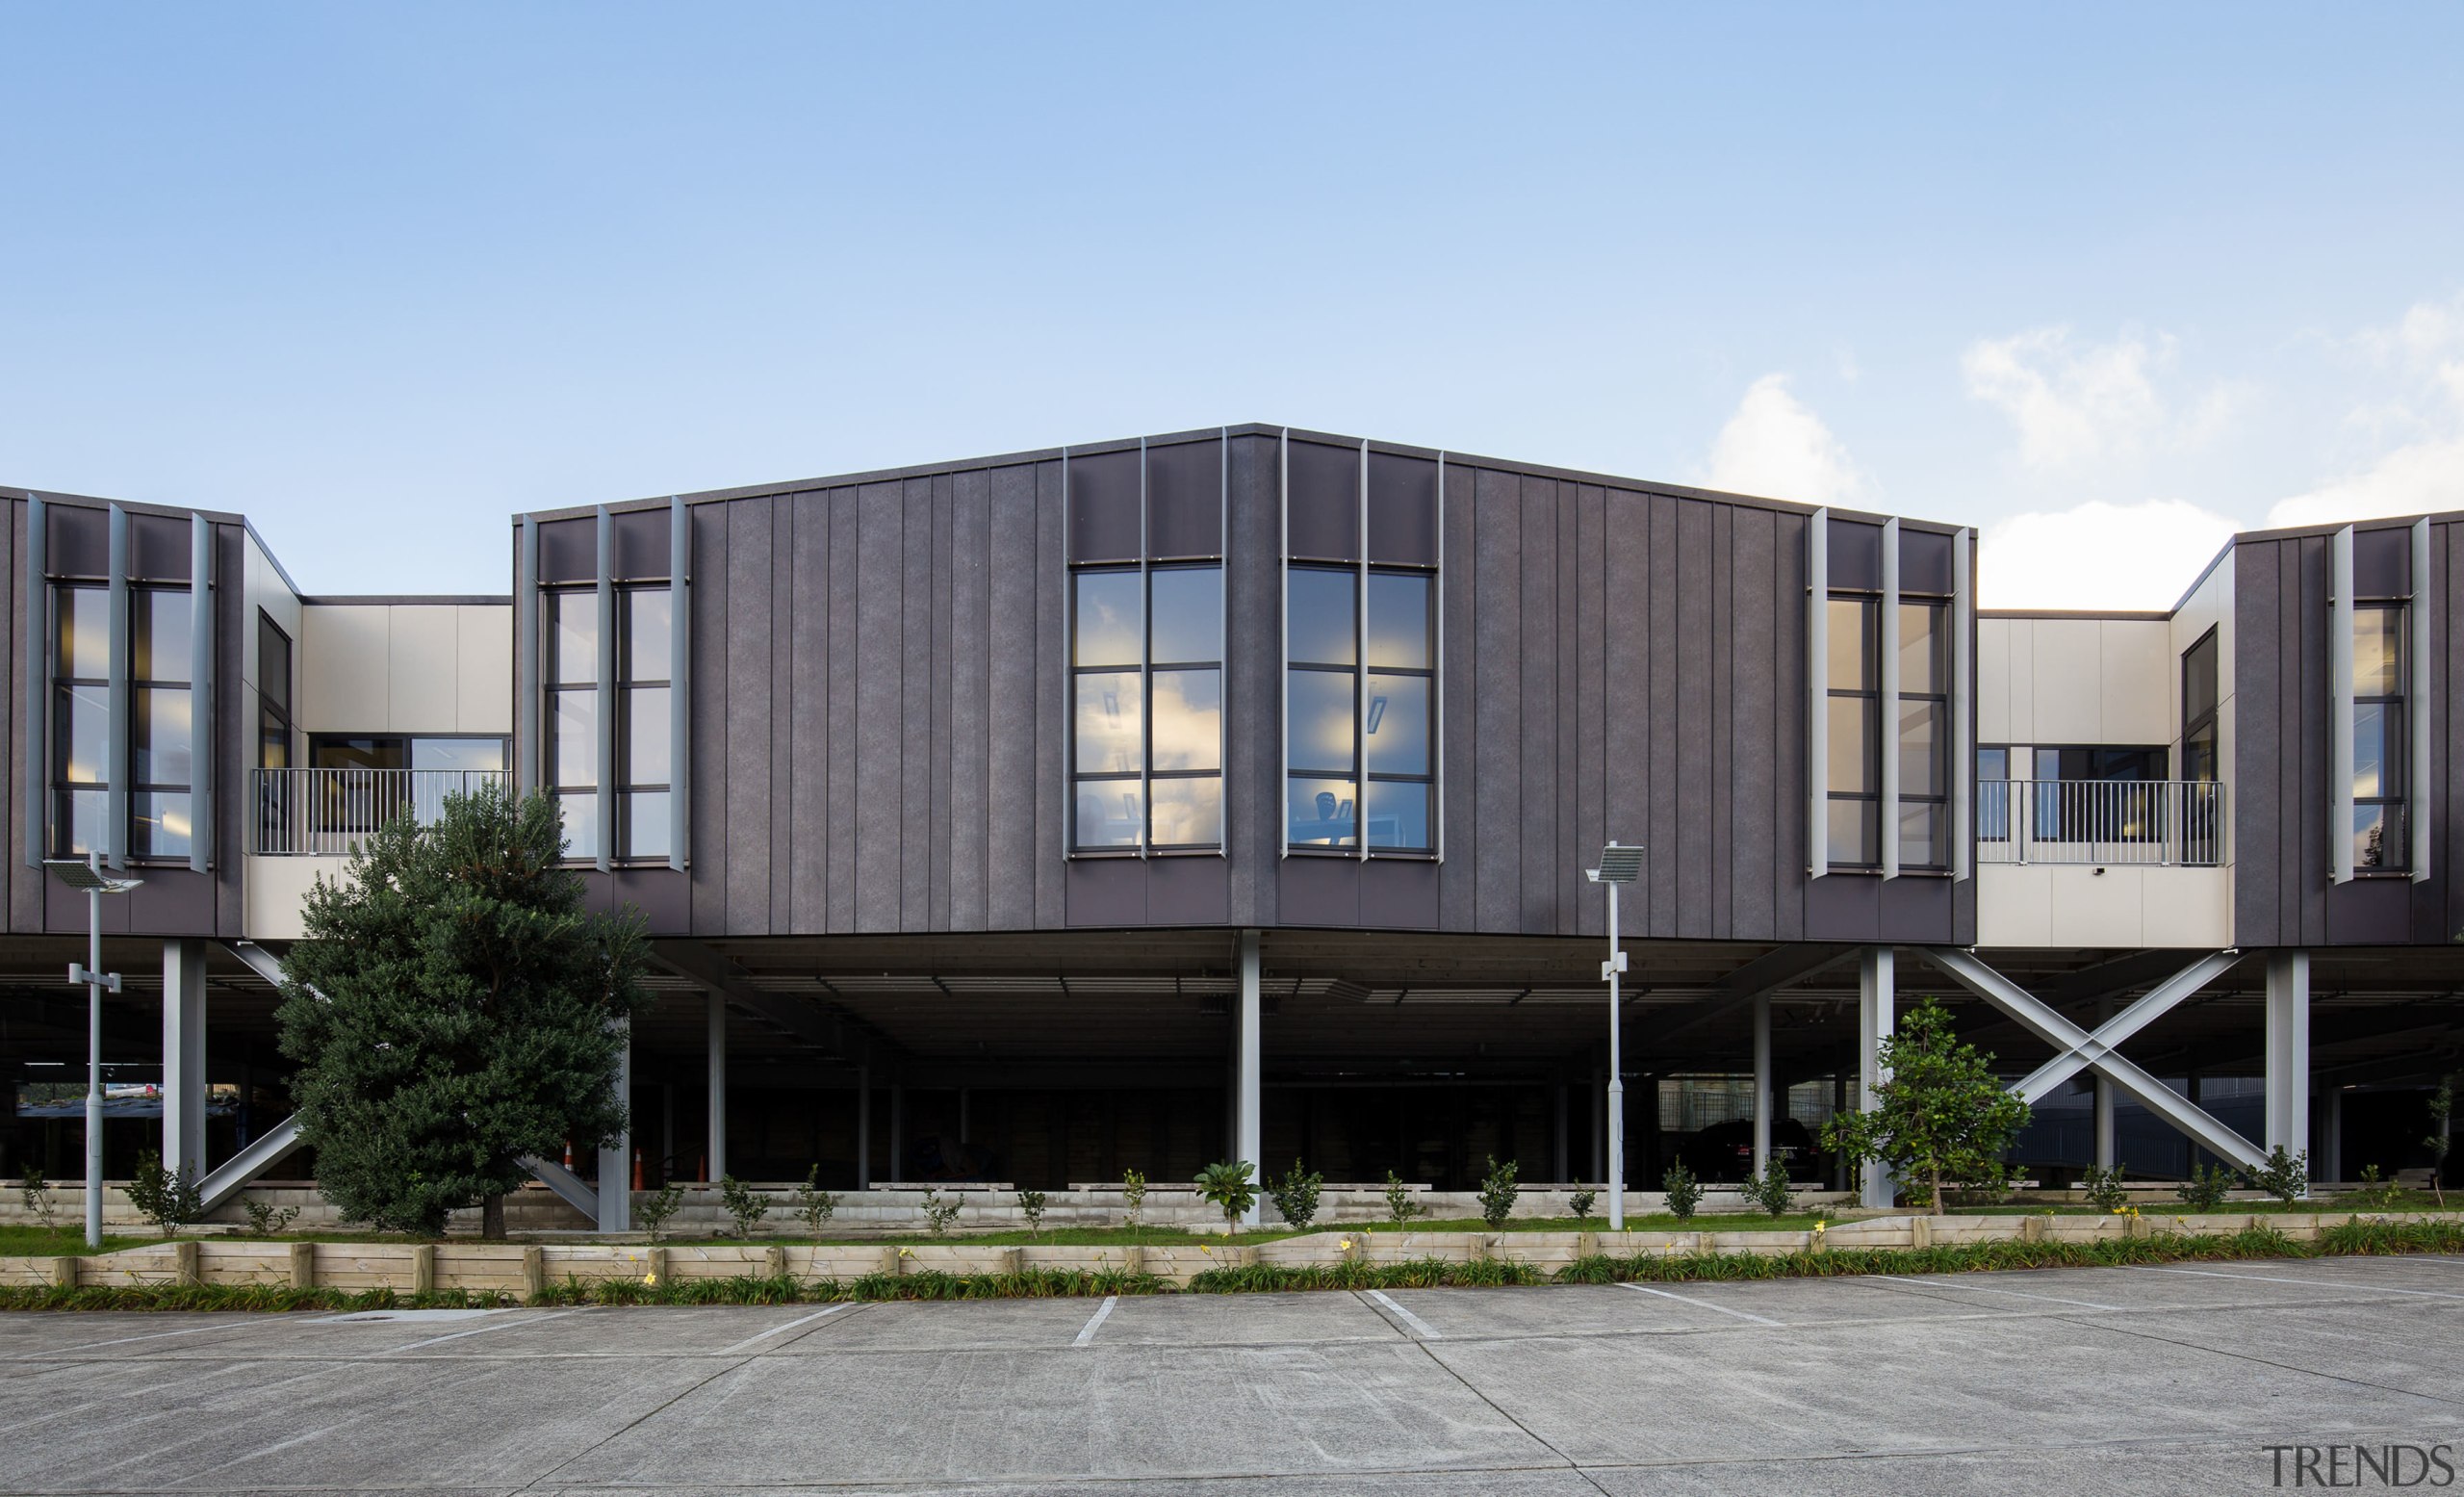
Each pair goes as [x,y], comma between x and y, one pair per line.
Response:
[1789,826]
[1497,671]
[1536,908]
[1015,744]
[1889,705]
[2422,764]
[1817,666]
[680,676]
[1254,578]
[234,729]
[1664,866]
[1625,691]
[203,758]
[1721,657]
[1757,797]
[936,680]
[116,752]
[846,657]
[809,830]
[1571,856]
[881,656]
[604,764]
[1696,664]
[1458,877]
[2258,743]
[1592,595]
[711,688]
[915,711]
[2340,739]
[749,622]
[1052,702]
[1962,666]
[2446,563]
[33,726]
[785,514]
[967,698]
[2305,811]
[527,773]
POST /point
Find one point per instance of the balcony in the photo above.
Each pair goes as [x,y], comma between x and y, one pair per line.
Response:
[2156,823]
[327,812]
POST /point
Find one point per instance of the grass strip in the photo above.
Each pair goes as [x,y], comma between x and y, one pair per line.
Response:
[1410,1274]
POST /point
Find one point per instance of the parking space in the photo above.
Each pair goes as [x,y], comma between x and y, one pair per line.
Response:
[1922,1382]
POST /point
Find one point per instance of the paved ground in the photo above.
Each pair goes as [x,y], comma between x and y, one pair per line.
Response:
[2082,1381]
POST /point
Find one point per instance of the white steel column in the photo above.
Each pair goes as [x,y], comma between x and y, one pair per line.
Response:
[183,1083]
[1874,1002]
[864,1128]
[1246,1143]
[717,1163]
[2288,1051]
[1762,1083]
[616,1160]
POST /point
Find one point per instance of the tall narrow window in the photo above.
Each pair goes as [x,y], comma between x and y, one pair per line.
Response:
[2199,749]
[2380,839]
[1397,727]
[80,720]
[1361,729]
[570,628]
[1323,738]
[274,696]
[1146,678]
[1853,677]
[1923,723]
[647,617]
[162,735]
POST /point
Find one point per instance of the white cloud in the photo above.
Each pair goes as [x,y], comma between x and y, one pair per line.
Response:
[1776,446]
[2076,402]
[2099,555]
[2424,352]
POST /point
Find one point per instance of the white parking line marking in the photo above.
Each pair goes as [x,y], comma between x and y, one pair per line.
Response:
[1950,1283]
[1698,1304]
[482,1331]
[1087,1332]
[1428,1331]
[802,1320]
[2306,1283]
[153,1335]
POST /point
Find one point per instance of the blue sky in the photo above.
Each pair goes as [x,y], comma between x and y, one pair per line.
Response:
[330,264]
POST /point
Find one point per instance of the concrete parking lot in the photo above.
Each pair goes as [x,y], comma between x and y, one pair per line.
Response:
[2102,1380]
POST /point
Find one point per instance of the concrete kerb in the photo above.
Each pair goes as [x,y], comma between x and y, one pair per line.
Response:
[527,1269]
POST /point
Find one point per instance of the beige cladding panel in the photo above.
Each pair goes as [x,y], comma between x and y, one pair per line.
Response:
[347,652]
[426,652]
[2136,704]
[483,697]
[2067,697]
[1993,680]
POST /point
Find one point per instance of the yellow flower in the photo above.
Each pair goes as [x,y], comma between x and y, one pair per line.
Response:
[1203,1248]
[904,1254]
[1821,1226]
[1345,1245]
[650,1278]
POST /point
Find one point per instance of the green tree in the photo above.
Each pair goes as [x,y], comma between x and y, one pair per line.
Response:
[1940,1115]
[2442,1108]
[1232,1186]
[453,1008]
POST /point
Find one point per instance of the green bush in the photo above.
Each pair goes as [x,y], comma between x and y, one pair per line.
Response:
[1031,1205]
[654,1213]
[743,1203]
[1296,1195]
[2283,1175]
[1769,1190]
[1498,1191]
[1401,1207]
[2103,1188]
[1581,1201]
[2204,1190]
[264,1221]
[815,1205]
[939,1213]
[1231,1187]
[1684,1191]
[34,1192]
[166,1198]
[1133,1195]
[1414,1274]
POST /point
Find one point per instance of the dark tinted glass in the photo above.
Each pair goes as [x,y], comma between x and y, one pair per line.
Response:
[1324,619]
[1108,619]
[1188,615]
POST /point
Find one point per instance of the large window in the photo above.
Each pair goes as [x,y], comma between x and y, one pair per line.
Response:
[2104,794]
[1360,726]
[1853,675]
[1924,719]
[81,717]
[162,739]
[274,696]
[2378,738]
[1146,679]
[2200,747]
[572,631]
[643,774]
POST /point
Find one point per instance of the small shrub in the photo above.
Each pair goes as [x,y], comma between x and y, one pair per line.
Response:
[940,1213]
[166,1198]
[1770,1191]
[2442,1111]
[1498,1191]
[661,1207]
[1581,1201]
[1231,1187]
[1030,1206]
[264,1221]
[814,1206]
[2103,1188]
[1684,1191]
[1133,1196]
[1296,1195]
[34,1192]
[2204,1190]
[2283,1175]
[2374,1192]
[744,1204]
[1401,1207]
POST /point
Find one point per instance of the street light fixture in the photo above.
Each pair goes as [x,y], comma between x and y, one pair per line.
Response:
[87,874]
[1618,865]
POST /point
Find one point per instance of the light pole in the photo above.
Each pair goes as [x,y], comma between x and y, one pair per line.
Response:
[1617,866]
[88,874]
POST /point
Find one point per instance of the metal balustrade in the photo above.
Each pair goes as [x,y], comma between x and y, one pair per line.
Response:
[327,812]
[2177,823]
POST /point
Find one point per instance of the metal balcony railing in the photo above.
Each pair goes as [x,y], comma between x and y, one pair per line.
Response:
[325,812]
[2175,823]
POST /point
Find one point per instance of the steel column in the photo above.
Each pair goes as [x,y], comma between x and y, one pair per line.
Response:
[1762,1083]
[184,1080]
[1876,999]
[2288,1051]
[616,1159]
[1246,1089]
[718,1123]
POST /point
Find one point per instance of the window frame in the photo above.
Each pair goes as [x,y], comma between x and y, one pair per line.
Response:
[622,850]
[1940,700]
[64,688]
[1870,691]
[2395,768]
[554,687]
[143,690]
[1144,774]
[1360,775]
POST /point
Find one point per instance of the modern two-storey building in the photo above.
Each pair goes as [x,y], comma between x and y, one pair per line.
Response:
[1232,793]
